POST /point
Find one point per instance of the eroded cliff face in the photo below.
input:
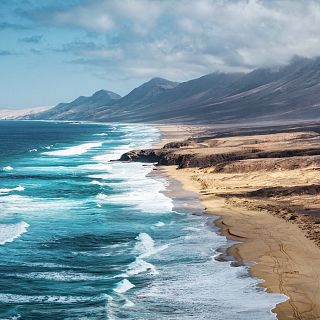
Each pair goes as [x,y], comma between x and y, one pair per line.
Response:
[167,156]
[277,172]
[228,155]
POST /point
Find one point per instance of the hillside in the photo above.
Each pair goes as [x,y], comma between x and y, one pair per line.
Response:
[287,93]
[82,108]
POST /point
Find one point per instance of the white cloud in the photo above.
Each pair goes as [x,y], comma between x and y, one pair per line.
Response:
[180,39]
[91,18]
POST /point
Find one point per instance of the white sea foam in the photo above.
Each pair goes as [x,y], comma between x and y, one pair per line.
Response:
[123,286]
[9,232]
[141,266]
[76,150]
[145,246]
[144,201]
[12,203]
[111,305]
[7,168]
[44,264]
[99,176]
[17,298]
[143,193]
[96,166]
[100,134]
[190,267]
[101,196]
[192,229]
[128,304]
[33,150]
[59,276]
[113,154]
[159,224]
[7,190]
[96,182]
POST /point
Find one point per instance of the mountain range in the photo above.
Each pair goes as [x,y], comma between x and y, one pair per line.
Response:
[290,92]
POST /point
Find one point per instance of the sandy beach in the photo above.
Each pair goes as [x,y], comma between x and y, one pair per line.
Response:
[269,205]
[286,260]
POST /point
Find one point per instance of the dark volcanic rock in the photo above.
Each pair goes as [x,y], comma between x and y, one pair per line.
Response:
[171,157]
[141,156]
[172,145]
[285,191]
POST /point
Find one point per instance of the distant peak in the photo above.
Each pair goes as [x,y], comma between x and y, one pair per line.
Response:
[103,92]
[158,80]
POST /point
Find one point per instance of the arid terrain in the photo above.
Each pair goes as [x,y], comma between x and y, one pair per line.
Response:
[277,172]
[264,183]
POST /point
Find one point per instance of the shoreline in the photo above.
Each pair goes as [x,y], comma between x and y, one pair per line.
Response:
[275,251]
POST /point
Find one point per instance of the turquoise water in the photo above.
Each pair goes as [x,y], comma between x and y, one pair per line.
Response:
[83,237]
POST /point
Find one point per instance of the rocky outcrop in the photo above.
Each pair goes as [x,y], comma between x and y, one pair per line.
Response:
[276,172]
[182,160]
[223,162]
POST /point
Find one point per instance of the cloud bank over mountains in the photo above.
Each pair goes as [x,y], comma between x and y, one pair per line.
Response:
[128,41]
[177,39]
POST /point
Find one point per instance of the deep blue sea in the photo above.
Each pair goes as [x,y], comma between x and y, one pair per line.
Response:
[83,237]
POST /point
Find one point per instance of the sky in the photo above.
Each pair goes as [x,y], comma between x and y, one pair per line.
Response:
[56,50]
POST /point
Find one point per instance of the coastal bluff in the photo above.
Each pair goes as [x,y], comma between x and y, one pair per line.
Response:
[264,184]
[275,169]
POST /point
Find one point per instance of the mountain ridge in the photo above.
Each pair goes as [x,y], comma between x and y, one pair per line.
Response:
[289,92]
[76,108]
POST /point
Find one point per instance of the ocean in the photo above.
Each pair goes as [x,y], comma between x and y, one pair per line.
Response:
[85,237]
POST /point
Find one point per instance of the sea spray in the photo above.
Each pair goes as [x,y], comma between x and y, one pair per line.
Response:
[7,168]
[76,150]
[9,232]
[123,286]
[7,190]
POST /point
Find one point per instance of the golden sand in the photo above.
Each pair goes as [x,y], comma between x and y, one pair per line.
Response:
[287,261]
